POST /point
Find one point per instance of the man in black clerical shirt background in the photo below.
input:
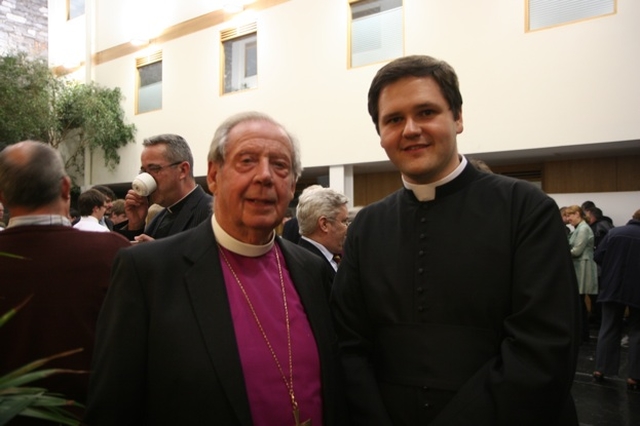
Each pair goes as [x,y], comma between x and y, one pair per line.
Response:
[168,159]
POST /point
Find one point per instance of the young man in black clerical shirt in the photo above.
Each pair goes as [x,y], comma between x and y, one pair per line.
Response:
[455,301]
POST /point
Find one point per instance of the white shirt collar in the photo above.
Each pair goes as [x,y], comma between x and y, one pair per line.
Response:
[427,192]
[323,250]
[91,218]
[236,246]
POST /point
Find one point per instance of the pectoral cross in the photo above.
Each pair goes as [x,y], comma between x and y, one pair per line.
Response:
[296,416]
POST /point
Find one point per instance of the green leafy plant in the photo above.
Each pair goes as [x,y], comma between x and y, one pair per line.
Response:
[17,399]
[70,116]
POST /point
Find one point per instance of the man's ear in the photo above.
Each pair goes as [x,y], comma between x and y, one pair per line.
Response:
[185,168]
[65,188]
[212,176]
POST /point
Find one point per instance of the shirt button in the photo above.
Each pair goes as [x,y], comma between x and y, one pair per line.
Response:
[419,290]
[420,270]
[426,405]
[422,236]
[420,308]
[421,253]
[423,219]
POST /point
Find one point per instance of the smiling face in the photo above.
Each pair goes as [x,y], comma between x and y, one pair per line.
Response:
[418,130]
[254,186]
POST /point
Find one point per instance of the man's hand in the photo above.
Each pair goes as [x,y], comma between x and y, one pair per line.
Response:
[143,238]
[136,209]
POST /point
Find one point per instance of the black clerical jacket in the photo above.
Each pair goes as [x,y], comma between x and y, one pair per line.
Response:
[461,310]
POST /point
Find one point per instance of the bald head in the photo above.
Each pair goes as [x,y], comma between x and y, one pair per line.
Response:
[33,178]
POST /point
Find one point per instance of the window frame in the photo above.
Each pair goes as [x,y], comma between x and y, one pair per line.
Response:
[241,39]
[70,9]
[350,53]
[152,58]
[558,3]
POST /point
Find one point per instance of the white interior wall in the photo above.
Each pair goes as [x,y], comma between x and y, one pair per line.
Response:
[570,85]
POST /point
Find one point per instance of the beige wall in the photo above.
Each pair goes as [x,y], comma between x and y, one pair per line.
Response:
[571,85]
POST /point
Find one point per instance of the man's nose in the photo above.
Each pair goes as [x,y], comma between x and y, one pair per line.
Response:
[411,128]
[263,171]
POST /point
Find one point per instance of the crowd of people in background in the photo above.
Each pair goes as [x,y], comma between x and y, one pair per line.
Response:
[607,264]
[458,299]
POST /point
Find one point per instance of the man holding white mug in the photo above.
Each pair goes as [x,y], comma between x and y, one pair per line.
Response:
[166,178]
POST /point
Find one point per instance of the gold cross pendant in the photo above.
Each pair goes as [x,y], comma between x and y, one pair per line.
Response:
[296,416]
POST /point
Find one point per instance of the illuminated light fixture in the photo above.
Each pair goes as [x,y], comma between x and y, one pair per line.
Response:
[139,41]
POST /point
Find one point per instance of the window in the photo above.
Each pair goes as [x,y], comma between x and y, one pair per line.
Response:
[550,13]
[376,31]
[75,8]
[149,83]
[240,58]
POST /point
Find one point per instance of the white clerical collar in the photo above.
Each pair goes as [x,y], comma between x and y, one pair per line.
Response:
[427,192]
[236,246]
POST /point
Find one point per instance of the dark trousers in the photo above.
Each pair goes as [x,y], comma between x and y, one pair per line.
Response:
[608,349]
[584,319]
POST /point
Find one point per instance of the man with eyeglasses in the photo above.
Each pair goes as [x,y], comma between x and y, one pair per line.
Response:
[92,205]
[169,160]
[323,219]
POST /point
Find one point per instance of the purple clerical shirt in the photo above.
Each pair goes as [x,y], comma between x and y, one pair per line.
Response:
[268,396]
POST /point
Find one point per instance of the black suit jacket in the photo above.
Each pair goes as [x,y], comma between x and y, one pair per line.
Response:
[197,208]
[166,351]
[313,249]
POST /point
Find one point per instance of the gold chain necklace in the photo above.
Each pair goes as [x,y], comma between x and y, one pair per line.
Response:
[287,382]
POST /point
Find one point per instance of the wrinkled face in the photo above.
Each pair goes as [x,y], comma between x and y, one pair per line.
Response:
[254,186]
[417,129]
[337,230]
[166,175]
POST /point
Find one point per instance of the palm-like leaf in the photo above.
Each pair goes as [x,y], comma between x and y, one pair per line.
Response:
[32,401]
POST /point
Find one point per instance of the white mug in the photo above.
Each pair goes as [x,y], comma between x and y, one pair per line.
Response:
[144,184]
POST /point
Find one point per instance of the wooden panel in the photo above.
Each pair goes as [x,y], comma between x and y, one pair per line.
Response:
[585,175]
[371,187]
[628,178]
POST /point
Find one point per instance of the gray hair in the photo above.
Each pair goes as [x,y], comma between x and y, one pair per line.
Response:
[31,180]
[177,148]
[220,140]
[314,202]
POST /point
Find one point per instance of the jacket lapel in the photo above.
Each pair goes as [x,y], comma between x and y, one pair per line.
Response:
[206,288]
[184,217]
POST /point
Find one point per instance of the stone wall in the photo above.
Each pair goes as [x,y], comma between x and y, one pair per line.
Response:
[24,27]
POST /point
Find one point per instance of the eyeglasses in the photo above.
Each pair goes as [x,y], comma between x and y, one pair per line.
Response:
[154,168]
[345,222]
